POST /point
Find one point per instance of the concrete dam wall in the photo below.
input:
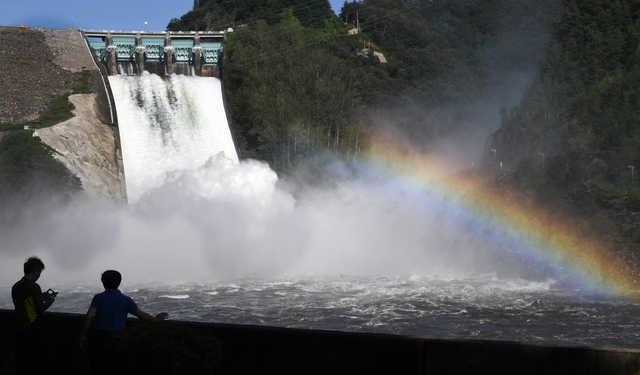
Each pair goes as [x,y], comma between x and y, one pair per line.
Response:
[173,347]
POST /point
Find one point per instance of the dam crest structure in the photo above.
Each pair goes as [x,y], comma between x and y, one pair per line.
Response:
[163,53]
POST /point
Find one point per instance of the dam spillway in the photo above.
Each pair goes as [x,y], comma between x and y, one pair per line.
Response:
[164,53]
[168,125]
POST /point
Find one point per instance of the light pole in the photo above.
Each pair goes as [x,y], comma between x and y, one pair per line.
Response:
[633,173]
[542,156]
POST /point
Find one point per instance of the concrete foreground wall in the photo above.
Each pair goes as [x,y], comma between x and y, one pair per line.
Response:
[205,348]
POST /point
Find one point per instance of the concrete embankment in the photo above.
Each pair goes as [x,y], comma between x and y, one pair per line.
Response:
[29,76]
[173,347]
[40,65]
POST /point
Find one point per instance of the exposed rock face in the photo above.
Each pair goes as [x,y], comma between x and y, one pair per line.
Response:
[29,76]
[88,148]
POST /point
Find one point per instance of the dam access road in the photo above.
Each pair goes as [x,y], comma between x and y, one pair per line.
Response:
[174,347]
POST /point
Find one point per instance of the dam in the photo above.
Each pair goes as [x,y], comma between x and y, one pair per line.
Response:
[168,98]
[164,53]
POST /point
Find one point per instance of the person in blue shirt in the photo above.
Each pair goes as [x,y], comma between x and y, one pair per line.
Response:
[107,316]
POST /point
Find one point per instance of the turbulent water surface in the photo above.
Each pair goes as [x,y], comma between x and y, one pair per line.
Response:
[479,308]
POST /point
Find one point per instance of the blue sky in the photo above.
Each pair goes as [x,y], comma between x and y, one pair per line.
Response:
[112,14]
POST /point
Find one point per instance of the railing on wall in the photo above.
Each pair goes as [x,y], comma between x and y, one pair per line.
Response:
[200,49]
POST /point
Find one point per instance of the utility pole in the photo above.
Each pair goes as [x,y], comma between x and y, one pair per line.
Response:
[357,20]
[633,173]
[495,155]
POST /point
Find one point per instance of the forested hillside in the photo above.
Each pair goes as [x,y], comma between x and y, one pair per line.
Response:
[292,76]
[221,14]
[574,141]
[296,81]
[451,50]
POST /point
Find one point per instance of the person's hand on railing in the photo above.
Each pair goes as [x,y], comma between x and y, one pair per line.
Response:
[162,316]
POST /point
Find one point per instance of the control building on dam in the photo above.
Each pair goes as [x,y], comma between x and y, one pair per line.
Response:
[163,53]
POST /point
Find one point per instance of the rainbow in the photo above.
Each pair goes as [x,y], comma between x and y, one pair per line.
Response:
[547,236]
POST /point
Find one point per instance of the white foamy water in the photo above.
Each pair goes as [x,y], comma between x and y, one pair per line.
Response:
[168,125]
[174,296]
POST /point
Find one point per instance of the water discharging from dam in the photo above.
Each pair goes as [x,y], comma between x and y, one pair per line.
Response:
[207,237]
[168,125]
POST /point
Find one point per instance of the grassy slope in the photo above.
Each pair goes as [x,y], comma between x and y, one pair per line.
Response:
[30,176]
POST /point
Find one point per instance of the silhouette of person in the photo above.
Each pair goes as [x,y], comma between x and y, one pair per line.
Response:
[107,316]
[30,303]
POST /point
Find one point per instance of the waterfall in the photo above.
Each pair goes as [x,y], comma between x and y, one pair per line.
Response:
[168,125]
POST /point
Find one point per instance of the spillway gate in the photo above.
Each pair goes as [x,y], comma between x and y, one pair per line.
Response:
[196,52]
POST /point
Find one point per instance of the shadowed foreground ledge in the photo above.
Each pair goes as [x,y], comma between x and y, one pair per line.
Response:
[175,347]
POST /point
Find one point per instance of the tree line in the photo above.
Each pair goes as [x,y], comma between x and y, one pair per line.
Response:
[297,82]
[574,139]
